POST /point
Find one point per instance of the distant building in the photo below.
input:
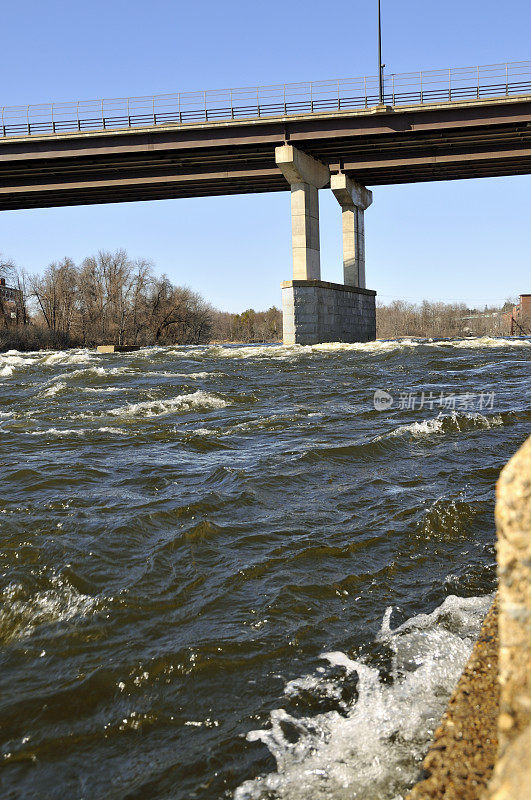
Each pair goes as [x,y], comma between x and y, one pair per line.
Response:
[10,300]
[520,317]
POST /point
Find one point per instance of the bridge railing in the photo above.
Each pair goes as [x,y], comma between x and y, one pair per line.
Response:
[289,99]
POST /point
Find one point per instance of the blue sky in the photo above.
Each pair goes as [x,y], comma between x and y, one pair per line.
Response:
[460,240]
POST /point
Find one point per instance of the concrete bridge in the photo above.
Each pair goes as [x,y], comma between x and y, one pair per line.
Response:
[439,125]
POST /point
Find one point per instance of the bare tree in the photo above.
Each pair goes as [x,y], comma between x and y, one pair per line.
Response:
[177,314]
[55,293]
[111,298]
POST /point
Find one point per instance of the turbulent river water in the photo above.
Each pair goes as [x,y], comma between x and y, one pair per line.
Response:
[225,574]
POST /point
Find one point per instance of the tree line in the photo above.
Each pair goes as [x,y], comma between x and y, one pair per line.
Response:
[108,298]
[429,319]
[397,319]
[249,326]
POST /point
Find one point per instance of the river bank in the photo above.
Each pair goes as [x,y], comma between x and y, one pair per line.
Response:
[480,750]
[32,339]
[460,761]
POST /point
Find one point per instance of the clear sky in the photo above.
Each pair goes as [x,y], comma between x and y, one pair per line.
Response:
[459,240]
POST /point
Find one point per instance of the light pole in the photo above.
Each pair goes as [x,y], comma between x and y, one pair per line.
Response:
[380,65]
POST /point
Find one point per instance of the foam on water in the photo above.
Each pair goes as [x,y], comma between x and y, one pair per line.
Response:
[372,748]
[382,345]
[290,352]
[279,352]
[487,341]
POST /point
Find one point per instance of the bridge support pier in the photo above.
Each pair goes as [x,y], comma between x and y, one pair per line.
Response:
[305,176]
[353,199]
[315,311]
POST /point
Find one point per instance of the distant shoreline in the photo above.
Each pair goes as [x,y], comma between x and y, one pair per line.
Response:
[5,348]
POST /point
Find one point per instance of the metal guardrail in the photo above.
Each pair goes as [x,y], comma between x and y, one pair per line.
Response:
[410,88]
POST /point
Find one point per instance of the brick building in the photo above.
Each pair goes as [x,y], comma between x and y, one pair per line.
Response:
[520,317]
[10,301]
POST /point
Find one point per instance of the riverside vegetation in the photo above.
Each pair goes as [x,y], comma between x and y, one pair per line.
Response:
[112,298]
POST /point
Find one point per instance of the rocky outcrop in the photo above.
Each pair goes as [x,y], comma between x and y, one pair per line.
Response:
[512,776]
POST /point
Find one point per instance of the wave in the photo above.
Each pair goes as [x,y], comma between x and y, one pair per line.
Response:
[54,389]
[59,386]
[444,423]
[60,432]
[22,611]
[77,431]
[269,422]
[370,748]
[94,372]
[75,373]
[15,359]
[103,389]
[193,375]
[12,359]
[156,408]
[365,447]
[84,356]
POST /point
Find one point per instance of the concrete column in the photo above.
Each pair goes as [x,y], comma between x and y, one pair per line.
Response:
[306,176]
[353,199]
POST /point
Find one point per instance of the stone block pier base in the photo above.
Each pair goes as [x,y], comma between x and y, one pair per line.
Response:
[317,311]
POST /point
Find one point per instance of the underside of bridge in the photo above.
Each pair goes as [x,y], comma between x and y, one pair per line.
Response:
[343,150]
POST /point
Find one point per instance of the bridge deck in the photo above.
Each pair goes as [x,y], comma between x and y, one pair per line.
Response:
[409,143]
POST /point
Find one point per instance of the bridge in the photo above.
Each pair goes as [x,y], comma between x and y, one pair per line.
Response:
[437,125]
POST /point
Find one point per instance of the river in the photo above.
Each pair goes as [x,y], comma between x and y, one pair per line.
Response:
[226,574]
